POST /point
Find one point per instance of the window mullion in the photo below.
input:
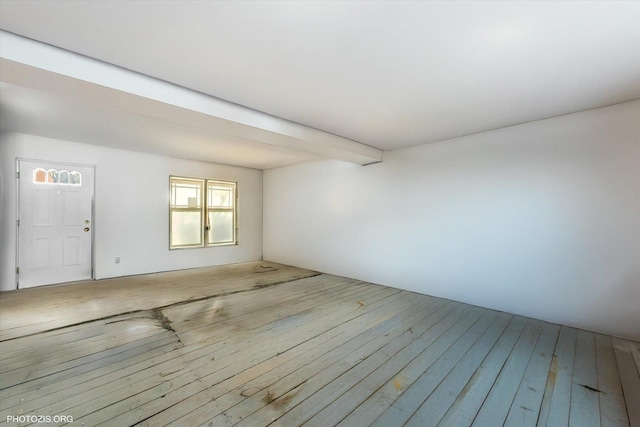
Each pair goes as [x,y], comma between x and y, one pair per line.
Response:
[205,219]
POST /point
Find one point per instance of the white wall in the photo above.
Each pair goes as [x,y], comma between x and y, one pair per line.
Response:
[540,219]
[131,217]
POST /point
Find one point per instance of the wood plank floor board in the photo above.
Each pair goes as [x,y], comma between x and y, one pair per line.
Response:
[66,336]
[212,377]
[308,350]
[439,360]
[286,315]
[259,344]
[137,385]
[43,367]
[229,345]
[249,381]
[629,378]
[526,405]
[585,395]
[22,359]
[187,317]
[102,392]
[278,340]
[635,352]
[316,372]
[94,300]
[349,401]
[41,395]
[122,407]
[468,402]
[308,337]
[329,363]
[612,408]
[222,324]
[240,340]
[440,333]
[496,407]
[556,403]
[89,406]
[116,336]
[436,405]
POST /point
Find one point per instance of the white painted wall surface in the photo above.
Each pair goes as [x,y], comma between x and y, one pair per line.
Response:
[540,219]
[131,215]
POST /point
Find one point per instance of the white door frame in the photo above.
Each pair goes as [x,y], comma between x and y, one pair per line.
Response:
[93,224]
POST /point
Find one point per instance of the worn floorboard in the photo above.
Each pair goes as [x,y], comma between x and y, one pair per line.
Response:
[261,344]
[629,368]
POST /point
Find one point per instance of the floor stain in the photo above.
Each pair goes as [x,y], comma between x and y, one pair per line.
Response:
[268,398]
[157,314]
[398,383]
[283,401]
[263,269]
[591,388]
[470,383]
[553,372]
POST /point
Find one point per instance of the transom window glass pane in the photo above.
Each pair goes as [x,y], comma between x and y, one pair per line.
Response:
[52,176]
[75,178]
[39,175]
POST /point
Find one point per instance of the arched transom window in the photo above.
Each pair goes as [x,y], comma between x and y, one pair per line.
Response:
[60,177]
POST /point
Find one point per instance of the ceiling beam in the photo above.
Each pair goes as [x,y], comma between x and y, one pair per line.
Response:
[28,63]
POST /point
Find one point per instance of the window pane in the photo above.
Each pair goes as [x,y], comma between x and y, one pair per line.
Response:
[53,176]
[220,194]
[39,175]
[64,177]
[220,198]
[185,228]
[221,230]
[75,178]
[186,194]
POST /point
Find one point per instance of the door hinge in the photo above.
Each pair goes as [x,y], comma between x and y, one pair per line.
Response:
[18,174]
[17,270]
[18,222]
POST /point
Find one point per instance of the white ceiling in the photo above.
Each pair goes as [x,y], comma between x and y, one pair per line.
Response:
[385,74]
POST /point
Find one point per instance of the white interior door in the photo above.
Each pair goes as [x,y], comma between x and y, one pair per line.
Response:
[55,223]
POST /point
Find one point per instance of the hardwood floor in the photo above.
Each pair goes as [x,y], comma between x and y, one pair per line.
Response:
[265,344]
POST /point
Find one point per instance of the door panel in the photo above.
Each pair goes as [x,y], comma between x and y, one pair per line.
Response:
[72,208]
[55,228]
[71,251]
[42,208]
[41,253]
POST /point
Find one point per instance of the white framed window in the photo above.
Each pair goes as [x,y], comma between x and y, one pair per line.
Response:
[202,212]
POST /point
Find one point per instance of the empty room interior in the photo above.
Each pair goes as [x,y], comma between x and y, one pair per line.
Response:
[319,213]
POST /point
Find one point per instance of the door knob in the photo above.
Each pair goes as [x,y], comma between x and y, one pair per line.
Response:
[86,229]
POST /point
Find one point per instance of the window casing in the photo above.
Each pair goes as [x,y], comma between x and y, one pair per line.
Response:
[202,212]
